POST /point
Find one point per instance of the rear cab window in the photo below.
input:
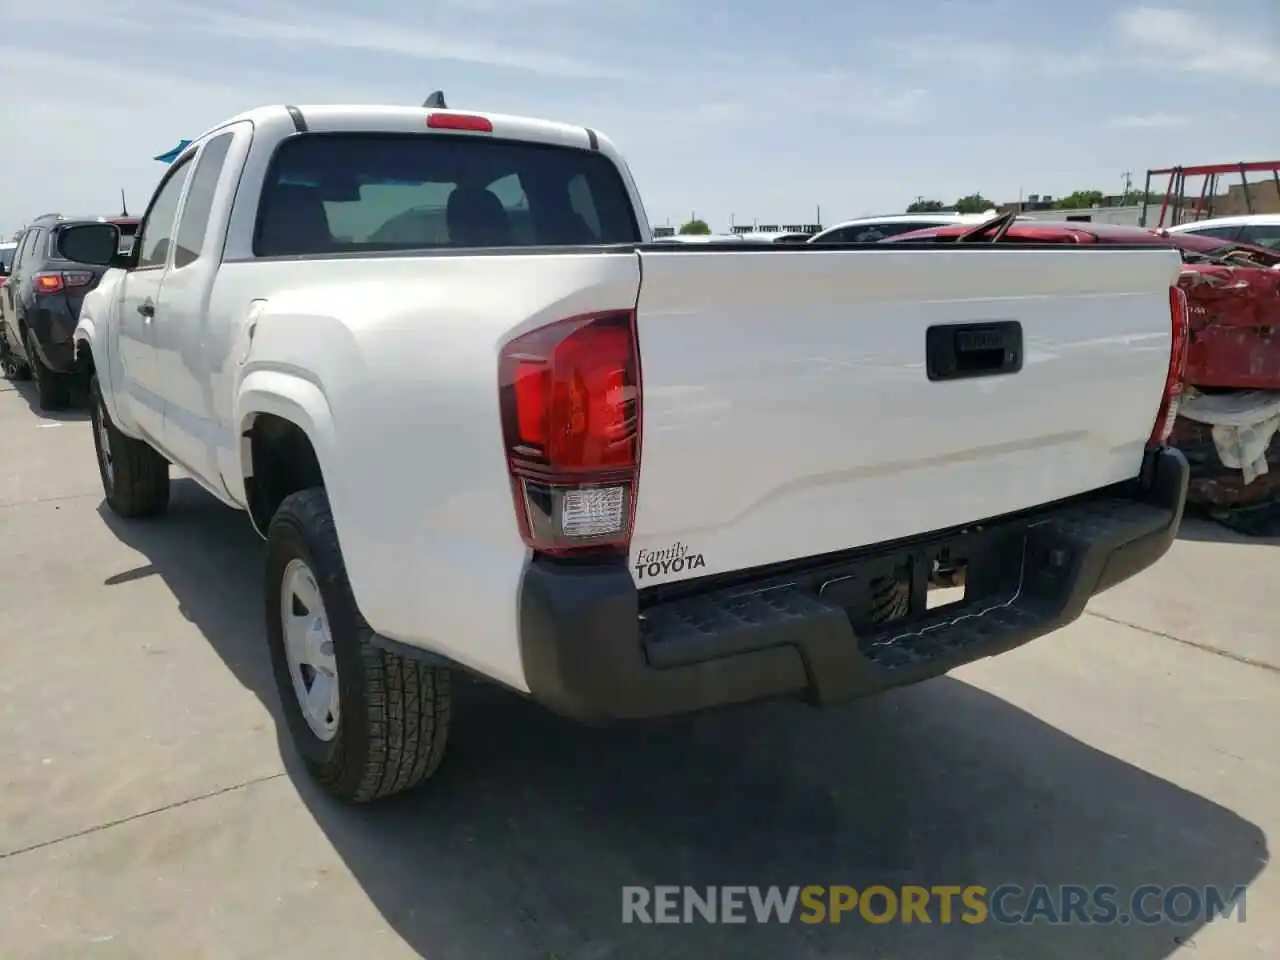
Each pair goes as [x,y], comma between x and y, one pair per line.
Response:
[370,192]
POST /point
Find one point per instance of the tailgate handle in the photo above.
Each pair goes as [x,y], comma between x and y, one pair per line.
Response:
[958,351]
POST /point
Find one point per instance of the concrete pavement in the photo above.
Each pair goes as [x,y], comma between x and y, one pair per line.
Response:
[151,807]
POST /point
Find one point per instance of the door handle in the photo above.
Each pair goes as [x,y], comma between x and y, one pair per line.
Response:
[958,351]
[147,308]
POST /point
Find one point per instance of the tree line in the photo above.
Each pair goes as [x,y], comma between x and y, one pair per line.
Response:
[977,203]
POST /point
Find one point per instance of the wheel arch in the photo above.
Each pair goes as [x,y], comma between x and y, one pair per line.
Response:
[285,434]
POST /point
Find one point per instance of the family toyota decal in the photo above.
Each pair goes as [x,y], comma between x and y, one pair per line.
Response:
[1066,905]
[674,559]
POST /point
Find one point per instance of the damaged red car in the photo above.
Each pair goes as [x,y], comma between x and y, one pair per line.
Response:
[1228,423]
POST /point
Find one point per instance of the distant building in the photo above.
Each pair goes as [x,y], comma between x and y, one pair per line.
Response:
[659,232]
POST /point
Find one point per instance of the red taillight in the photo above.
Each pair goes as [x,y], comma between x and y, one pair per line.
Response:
[459,121]
[53,282]
[570,399]
[1180,320]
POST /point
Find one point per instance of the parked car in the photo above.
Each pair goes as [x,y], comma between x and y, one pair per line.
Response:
[39,306]
[626,479]
[1260,229]
[874,229]
[701,238]
[7,250]
[775,237]
[1229,418]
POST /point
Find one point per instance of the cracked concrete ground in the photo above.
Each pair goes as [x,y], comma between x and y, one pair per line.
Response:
[149,806]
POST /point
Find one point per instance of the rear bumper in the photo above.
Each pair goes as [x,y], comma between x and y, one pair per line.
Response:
[53,325]
[595,648]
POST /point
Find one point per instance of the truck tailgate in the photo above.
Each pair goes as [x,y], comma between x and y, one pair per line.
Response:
[788,409]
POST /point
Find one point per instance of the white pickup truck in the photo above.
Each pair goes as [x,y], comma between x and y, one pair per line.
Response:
[484,424]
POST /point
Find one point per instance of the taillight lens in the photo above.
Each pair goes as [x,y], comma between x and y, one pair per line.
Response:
[570,400]
[1180,319]
[53,282]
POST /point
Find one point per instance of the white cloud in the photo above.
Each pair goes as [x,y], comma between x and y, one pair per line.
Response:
[991,58]
[296,25]
[1150,121]
[1191,43]
[306,27]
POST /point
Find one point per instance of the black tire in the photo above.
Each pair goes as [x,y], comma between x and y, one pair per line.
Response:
[51,387]
[11,365]
[393,713]
[135,479]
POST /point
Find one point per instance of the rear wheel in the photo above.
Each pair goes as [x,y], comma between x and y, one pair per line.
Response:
[368,723]
[52,389]
[135,479]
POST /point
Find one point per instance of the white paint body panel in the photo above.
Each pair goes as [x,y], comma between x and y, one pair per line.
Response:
[786,410]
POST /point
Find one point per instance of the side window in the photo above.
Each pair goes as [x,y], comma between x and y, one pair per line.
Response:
[157,232]
[199,202]
[39,251]
[1262,234]
[892,230]
[24,249]
[1218,233]
[838,236]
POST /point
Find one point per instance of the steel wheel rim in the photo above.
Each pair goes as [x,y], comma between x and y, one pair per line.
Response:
[308,647]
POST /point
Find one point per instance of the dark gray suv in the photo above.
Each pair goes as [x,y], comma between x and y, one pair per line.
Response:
[40,305]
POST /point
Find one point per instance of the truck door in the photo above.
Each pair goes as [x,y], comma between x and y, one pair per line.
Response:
[141,313]
[186,354]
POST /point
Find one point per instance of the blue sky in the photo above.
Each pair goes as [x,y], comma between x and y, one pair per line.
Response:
[741,108]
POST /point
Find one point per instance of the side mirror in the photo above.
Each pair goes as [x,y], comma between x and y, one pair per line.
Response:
[93,244]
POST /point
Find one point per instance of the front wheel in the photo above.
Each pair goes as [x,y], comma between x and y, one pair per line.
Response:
[11,365]
[135,479]
[368,723]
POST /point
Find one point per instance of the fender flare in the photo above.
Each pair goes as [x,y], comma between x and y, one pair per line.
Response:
[290,396]
[85,337]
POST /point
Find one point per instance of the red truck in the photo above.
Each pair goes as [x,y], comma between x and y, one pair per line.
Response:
[1229,418]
